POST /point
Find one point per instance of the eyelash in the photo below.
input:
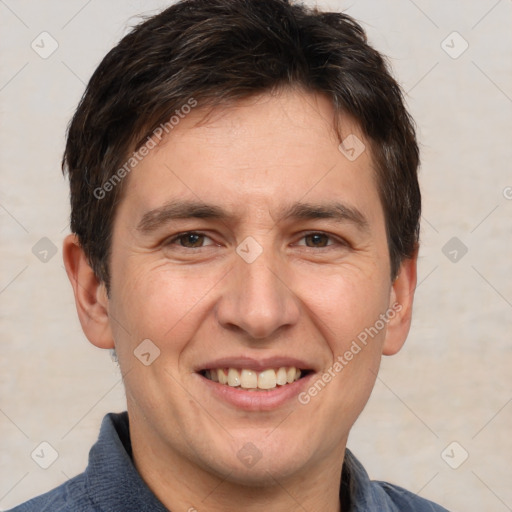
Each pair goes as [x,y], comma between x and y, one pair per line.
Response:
[332,240]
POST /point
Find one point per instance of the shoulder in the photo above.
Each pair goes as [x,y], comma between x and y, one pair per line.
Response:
[71,496]
[404,500]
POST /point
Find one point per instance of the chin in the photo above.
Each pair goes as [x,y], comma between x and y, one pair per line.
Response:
[264,473]
[260,463]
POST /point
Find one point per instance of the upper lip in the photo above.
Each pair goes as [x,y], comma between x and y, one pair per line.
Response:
[250,363]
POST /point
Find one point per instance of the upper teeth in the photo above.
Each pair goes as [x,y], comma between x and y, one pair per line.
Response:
[251,379]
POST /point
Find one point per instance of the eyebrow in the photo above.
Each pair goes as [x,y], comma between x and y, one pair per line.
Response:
[156,218]
[336,211]
[153,219]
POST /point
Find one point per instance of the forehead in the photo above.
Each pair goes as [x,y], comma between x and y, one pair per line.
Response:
[258,153]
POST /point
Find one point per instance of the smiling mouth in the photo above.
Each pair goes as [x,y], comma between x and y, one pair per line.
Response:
[251,380]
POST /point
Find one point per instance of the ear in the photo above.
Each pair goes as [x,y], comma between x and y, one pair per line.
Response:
[90,294]
[401,299]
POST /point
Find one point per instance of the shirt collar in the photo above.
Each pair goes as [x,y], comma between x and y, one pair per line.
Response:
[364,495]
[112,479]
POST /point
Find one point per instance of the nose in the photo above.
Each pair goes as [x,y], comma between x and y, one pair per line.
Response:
[257,300]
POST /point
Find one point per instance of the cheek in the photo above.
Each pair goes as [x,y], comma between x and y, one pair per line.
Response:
[158,303]
[344,301]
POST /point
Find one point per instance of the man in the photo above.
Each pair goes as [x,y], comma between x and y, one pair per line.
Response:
[245,217]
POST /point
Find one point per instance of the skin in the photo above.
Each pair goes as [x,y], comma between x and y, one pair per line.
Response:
[254,160]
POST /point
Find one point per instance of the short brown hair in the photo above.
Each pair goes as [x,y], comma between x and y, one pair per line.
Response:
[218,52]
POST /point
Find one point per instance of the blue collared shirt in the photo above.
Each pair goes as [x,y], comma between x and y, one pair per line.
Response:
[112,484]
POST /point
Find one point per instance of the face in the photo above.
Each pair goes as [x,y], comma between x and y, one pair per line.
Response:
[252,253]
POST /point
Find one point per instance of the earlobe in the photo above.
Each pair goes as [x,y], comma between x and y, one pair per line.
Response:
[90,294]
[401,301]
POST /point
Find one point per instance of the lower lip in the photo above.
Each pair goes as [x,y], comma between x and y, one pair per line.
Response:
[257,400]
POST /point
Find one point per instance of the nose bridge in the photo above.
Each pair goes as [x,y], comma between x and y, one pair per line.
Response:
[257,300]
[261,286]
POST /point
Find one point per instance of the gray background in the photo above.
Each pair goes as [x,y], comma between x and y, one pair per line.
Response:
[451,383]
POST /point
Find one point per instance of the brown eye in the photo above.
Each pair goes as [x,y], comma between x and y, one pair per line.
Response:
[317,240]
[191,240]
